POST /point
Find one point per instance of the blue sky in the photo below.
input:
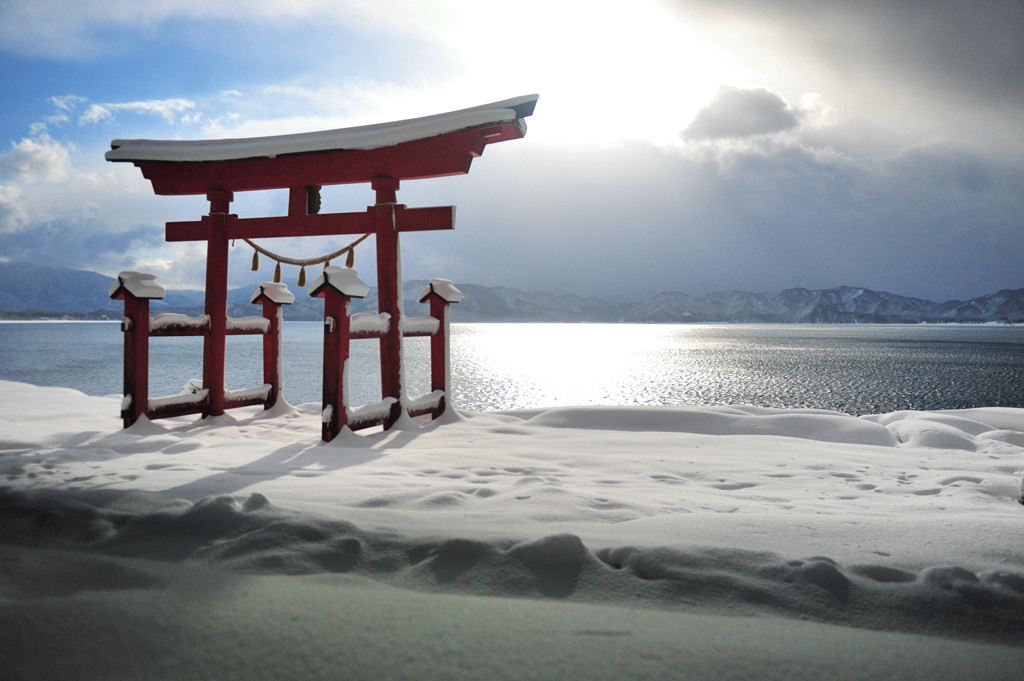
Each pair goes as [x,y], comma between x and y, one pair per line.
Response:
[678,144]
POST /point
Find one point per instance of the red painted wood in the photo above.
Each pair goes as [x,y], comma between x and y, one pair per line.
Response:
[275,226]
[362,335]
[449,154]
[136,358]
[244,332]
[272,351]
[178,330]
[409,220]
[440,375]
[359,424]
[171,411]
[424,219]
[389,294]
[216,300]
[336,352]
[237,402]
[297,201]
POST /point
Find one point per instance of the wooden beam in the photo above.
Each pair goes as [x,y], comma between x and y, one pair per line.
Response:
[424,219]
[325,224]
[449,154]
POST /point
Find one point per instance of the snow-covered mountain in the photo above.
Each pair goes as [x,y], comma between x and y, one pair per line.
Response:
[34,291]
[844,304]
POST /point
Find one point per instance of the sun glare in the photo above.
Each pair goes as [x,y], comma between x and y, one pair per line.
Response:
[606,71]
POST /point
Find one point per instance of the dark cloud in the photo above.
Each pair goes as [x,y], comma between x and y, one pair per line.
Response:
[935,221]
[937,60]
[79,244]
[735,112]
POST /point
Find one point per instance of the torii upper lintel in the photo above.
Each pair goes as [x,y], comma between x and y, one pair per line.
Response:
[432,146]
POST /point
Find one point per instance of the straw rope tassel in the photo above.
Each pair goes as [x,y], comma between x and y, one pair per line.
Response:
[349,251]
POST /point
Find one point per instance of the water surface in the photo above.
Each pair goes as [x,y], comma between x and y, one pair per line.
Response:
[853,368]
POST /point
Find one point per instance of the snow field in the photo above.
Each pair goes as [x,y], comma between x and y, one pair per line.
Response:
[599,542]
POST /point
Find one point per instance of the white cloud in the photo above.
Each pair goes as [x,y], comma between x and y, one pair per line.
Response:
[12,211]
[95,114]
[36,159]
[66,30]
[168,109]
[67,103]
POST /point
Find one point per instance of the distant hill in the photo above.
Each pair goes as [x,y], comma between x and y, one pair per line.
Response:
[842,305]
[29,291]
[37,291]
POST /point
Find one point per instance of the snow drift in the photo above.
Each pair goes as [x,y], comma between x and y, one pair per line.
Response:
[604,542]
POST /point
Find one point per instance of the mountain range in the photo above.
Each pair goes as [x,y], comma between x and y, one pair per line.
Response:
[30,291]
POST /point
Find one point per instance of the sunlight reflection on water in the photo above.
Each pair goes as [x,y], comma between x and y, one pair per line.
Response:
[856,369]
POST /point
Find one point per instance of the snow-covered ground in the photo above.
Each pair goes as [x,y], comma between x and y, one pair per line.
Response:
[590,543]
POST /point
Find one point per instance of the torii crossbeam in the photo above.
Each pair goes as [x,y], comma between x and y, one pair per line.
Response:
[382,155]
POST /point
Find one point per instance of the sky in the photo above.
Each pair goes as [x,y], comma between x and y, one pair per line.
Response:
[678,145]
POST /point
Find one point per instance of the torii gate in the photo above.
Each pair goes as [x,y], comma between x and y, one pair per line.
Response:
[383,155]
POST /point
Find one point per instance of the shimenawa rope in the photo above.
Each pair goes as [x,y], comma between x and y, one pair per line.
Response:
[302,262]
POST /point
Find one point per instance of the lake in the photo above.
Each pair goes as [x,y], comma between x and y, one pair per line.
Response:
[857,369]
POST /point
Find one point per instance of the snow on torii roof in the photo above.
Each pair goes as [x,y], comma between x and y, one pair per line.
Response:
[361,137]
[432,146]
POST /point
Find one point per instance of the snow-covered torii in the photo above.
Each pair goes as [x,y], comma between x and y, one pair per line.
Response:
[382,155]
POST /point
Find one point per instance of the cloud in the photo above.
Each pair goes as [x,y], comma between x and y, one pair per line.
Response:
[939,68]
[168,109]
[57,29]
[12,211]
[38,159]
[735,112]
[768,187]
[67,103]
[760,214]
[79,243]
[94,114]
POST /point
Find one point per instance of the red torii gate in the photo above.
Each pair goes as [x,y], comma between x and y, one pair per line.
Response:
[383,155]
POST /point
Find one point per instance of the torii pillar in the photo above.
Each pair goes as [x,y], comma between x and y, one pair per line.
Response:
[216,303]
[389,291]
[382,155]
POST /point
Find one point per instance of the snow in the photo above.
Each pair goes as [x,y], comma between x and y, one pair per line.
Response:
[370,322]
[139,284]
[423,324]
[274,292]
[182,400]
[344,280]
[371,411]
[169,320]
[428,401]
[443,288]
[362,137]
[252,323]
[617,543]
[260,392]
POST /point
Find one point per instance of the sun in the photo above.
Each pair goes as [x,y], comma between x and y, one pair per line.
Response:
[606,71]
